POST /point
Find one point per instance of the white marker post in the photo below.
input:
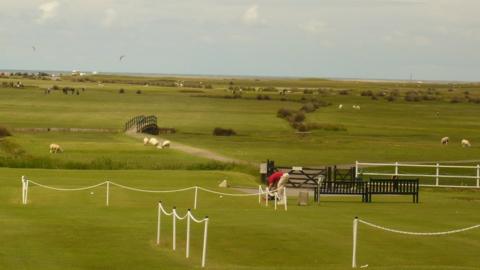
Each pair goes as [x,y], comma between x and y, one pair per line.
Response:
[260,194]
[354,255]
[158,221]
[275,195]
[23,189]
[266,196]
[107,202]
[174,230]
[205,234]
[187,248]
[26,191]
[285,197]
[195,199]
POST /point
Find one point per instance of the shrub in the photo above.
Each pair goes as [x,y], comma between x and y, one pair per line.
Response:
[412,96]
[299,117]
[139,92]
[374,97]
[391,98]
[343,92]
[4,132]
[455,100]
[121,91]
[284,113]
[223,132]
[367,93]
[309,107]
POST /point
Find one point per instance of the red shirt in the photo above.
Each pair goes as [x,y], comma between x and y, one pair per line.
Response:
[274,178]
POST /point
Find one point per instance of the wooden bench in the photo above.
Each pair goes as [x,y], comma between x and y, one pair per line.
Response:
[393,187]
[343,188]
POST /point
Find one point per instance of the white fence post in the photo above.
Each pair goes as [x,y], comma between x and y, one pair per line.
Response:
[437,173]
[23,189]
[478,175]
[356,169]
[354,255]
[187,248]
[205,233]
[174,230]
[195,199]
[26,191]
[108,194]
[396,168]
[259,194]
[275,195]
[158,221]
[285,197]
[266,196]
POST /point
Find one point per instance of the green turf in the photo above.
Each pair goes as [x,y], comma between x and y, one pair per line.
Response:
[380,131]
[75,230]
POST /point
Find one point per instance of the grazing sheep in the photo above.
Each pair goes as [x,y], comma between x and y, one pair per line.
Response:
[145,141]
[166,144]
[340,106]
[466,143]
[153,141]
[55,148]
[356,107]
[445,140]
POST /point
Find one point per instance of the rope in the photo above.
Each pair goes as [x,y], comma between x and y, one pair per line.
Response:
[418,233]
[151,191]
[165,212]
[196,220]
[179,217]
[66,189]
[231,194]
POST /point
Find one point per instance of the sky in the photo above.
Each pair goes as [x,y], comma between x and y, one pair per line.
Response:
[369,39]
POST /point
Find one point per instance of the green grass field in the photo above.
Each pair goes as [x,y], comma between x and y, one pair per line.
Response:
[75,230]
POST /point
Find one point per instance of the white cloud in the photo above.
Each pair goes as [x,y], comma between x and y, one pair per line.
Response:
[422,41]
[48,11]
[314,27]
[252,17]
[109,17]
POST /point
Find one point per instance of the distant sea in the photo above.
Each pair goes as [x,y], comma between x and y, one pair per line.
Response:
[241,76]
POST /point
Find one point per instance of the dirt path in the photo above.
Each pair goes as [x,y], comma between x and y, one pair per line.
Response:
[195,151]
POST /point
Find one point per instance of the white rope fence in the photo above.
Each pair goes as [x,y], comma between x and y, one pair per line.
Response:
[355,234]
[280,196]
[189,218]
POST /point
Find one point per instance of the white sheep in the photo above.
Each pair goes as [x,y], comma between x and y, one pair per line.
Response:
[55,148]
[166,144]
[340,106]
[153,141]
[445,140]
[145,141]
[466,143]
[356,107]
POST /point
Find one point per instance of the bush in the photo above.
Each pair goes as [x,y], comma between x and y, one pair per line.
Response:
[284,113]
[328,127]
[391,98]
[4,132]
[343,92]
[412,96]
[223,132]
[456,100]
[374,97]
[367,93]
[309,107]
[121,91]
[139,92]
[298,117]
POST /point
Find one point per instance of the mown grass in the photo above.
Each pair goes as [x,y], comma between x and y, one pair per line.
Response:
[380,131]
[75,230]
